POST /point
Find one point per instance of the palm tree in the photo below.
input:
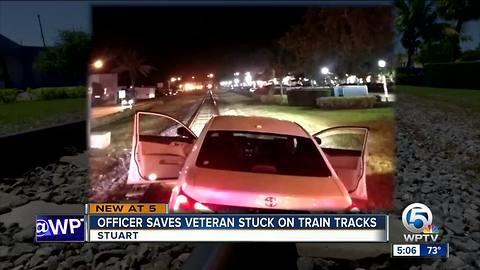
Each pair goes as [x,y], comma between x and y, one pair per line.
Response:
[414,21]
[460,11]
[132,63]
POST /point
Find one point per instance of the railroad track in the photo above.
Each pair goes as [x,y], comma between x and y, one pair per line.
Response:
[206,109]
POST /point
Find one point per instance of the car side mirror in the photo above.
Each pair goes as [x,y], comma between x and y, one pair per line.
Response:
[183,132]
[318,140]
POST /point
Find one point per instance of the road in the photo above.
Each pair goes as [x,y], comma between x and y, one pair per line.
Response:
[102,111]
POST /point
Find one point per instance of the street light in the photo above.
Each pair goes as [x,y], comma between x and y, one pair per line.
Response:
[98,64]
[210,75]
[325,70]
[236,73]
[193,77]
[382,63]
[173,79]
[179,79]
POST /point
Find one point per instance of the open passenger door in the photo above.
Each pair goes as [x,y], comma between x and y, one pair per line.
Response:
[346,150]
[160,146]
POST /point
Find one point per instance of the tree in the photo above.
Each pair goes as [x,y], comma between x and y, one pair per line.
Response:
[439,47]
[348,39]
[280,63]
[460,11]
[69,55]
[414,21]
[133,64]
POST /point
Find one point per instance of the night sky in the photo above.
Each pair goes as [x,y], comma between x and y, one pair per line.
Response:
[167,32]
[186,41]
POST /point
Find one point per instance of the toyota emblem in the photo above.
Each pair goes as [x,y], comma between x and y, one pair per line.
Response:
[270,201]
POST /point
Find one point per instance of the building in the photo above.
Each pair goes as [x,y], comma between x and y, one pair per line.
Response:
[17,70]
[103,88]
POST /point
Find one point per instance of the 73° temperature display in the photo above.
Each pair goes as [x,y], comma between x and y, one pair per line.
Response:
[420,250]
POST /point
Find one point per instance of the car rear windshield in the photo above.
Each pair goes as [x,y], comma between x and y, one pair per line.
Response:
[261,153]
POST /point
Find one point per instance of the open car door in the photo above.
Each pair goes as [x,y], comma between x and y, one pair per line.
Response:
[346,150]
[160,146]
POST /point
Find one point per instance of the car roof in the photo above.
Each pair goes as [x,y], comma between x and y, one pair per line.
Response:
[257,124]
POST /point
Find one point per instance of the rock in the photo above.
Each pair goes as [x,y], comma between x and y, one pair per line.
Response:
[40,256]
[43,266]
[468,258]
[44,196]
[6,265]
[4,251]
[36,260]
[426,267]
[23,259]
[475,236]
[107,246]
[27,234]
[467,245]
[8,200]
[112,261]
[305,263]
[456,226]
[59,198]
[22,248]
[178,262]
[106,255]
[44,251]
[100,266]
[77,261]
[453,263]
[80,161]
[58,180]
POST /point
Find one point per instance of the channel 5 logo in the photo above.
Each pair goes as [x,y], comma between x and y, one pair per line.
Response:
[417,218]
[60,228]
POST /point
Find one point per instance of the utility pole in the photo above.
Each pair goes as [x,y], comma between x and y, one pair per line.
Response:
[41,30]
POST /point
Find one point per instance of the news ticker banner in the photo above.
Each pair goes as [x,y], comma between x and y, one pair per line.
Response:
[152,223]
[440,250]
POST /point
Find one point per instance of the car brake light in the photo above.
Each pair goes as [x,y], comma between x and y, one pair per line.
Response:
[183,203]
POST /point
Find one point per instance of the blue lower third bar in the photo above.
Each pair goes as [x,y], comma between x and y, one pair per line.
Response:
[434,250]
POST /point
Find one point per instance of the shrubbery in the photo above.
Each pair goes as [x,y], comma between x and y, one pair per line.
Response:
[412,76]
[49,93]
[307,97]
[453,75]
[448,75]
[8,95]
[346,102]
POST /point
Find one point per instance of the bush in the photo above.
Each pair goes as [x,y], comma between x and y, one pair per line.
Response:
[470,55]
[49,93]
[412,76]
[378,87]
[273,99]
[453,75]
[307,97]
[346,102]
[8,95]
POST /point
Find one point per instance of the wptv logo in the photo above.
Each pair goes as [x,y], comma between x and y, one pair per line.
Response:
[60,228]
[417,218]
